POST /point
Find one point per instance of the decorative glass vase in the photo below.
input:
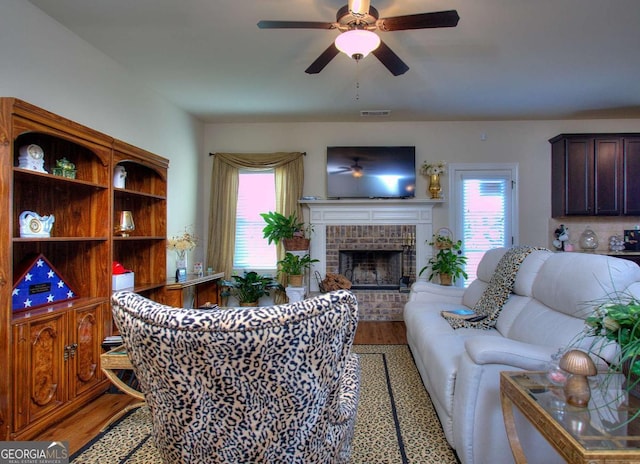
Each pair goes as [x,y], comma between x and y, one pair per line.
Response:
[588,240]
[434,186]
[181,259]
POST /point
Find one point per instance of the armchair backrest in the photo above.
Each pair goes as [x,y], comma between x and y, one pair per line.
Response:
[242,384]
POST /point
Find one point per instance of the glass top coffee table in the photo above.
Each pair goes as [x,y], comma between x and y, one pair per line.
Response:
[606,431]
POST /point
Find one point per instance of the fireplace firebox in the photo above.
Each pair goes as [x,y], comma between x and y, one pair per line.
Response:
[371,269]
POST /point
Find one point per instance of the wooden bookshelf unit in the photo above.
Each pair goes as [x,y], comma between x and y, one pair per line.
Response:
[51,353]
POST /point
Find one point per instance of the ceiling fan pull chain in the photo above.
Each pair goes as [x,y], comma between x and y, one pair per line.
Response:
[357,80]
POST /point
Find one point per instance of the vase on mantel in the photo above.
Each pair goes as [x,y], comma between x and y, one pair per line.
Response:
[181,259]
[434,186]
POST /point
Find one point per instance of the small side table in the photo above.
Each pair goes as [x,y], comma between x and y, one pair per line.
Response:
[601,433]
[205,289]
[115,360]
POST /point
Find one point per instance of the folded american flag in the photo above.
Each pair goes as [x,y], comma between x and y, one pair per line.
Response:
[40,285]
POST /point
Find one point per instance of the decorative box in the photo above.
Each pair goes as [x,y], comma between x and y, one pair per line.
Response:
[632,240]
[65,168]
[122,281]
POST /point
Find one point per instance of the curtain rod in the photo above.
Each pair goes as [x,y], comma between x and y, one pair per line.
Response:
[304,153]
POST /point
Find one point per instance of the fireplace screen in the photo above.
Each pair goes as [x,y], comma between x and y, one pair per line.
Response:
[372,269]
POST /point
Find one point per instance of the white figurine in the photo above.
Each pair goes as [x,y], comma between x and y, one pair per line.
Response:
[562,236]
[119,177]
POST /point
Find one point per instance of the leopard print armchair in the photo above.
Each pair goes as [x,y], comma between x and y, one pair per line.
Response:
[246,385]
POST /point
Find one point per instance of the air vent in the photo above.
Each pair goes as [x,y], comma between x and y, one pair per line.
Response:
[371,113]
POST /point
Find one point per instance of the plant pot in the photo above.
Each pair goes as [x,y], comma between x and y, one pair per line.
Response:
[631,383]
[295,280]
[249,303]
[445,279]
[295,244]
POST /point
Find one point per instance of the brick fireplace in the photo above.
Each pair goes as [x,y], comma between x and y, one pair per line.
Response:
[372,257]
[378,242]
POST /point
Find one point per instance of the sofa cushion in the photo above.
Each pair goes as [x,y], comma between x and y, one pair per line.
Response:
[529,270]
[541,325]
[573,283]
[496,294]
[489,262]
[473,292]
[510,312]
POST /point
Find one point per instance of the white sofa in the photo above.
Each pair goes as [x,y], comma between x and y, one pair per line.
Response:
[460,368]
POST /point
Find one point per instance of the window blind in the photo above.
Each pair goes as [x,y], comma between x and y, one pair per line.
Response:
[484,206]
[256,194]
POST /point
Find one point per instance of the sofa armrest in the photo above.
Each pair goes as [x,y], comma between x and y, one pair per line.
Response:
[427,292]
[349,391]
[497,350]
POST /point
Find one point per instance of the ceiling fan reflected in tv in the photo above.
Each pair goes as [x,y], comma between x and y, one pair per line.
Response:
[371,172]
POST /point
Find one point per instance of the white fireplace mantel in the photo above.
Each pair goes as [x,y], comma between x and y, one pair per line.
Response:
[417,212]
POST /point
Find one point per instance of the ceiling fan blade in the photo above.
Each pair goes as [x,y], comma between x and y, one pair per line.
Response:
[323,60]
[265,24]
[448,18]
[388,58]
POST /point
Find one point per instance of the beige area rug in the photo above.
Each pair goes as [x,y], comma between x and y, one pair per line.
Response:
[396,422]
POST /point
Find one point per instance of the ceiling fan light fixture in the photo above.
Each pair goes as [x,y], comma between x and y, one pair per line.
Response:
[357,172]
[357,43]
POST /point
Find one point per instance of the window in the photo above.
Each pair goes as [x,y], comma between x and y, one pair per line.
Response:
[256,194]
[483,209]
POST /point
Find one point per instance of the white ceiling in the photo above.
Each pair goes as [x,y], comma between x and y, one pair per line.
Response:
[506,59]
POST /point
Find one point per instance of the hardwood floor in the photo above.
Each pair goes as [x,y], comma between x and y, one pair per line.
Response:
[86,423]
[381,333]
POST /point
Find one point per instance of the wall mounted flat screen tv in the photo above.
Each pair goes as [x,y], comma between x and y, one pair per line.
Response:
[371,172]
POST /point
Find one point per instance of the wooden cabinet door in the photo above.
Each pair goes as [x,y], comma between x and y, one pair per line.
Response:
[631,176]
[83,349]
[39,371]
[607,177]
[579,177]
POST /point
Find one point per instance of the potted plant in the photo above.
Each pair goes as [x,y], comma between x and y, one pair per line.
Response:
[249,288]
[618,320]
[448,263]
[295,266]
[286,229]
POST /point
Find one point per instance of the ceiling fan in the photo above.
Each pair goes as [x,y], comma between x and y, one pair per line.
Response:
[355,169]
[356,23]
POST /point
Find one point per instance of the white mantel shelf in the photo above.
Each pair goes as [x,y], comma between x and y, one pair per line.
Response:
[416,212]
[373,201]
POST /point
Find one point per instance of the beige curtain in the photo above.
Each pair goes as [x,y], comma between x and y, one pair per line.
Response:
[289,179]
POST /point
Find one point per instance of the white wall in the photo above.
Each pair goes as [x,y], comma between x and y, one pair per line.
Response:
[523,142]
[45,64]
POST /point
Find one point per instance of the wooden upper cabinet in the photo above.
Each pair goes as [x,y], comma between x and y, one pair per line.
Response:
[631,176]
[595,175]
[577,181]
[607,174]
